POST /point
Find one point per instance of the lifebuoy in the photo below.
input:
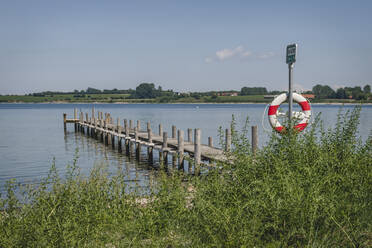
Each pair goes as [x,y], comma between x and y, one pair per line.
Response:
[304,116]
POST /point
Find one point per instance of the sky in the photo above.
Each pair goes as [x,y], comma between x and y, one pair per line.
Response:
[182,45]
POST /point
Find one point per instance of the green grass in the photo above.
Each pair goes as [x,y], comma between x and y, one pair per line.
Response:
[310,189]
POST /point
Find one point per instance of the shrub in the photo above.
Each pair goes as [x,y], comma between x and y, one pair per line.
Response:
[309,189]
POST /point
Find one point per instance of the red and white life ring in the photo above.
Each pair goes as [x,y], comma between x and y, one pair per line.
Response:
[304,116]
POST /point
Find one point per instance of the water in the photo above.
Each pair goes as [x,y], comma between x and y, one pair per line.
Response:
[31,135]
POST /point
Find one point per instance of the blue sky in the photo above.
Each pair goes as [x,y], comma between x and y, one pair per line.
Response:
[182,45]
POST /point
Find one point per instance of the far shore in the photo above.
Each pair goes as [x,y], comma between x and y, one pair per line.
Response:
[194,103]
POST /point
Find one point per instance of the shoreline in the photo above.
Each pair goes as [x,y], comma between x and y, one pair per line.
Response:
[195,103]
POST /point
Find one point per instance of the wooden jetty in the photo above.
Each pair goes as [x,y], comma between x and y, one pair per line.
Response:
[100,126]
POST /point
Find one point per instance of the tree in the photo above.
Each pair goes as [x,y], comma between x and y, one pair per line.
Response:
[323,91]
[93,91]
[341,93]
[367,89]
[145,90]
[357,93]
[253,91]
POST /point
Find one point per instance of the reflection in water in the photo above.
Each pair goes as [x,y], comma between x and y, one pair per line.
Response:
[136,171]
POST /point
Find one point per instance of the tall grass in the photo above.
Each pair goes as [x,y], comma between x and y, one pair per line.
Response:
[301,190]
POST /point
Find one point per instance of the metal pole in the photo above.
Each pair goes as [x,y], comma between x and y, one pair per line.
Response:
[290,96]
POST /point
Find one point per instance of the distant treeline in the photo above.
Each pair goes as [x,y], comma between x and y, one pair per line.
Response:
[357,93]
[149,91]
[84,92]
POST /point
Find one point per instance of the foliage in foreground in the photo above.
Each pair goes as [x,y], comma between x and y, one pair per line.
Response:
[301,190]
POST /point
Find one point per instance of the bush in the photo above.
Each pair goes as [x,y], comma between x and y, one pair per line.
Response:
[300,190]
[310,189]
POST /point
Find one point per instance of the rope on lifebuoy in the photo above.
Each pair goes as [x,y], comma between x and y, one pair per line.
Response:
[304,116]
[262,120]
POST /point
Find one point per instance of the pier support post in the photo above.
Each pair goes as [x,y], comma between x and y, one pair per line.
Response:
[94,131]
[180,148]
[93,114]
[130,125]
[105,138]
[78,124]
[75,117]
[117,125]
[138,143]
[174,155]
[64,122]
[131,150]
[174,131]
[100,136]
[197,150]
[112,139]
[87,122]
[164,152]
[210,141]
[228,140]
[138,125]
[127,147]
[101,133]
[82,122]
[109,138]
[150,148]
[254,140]
[127,131]
[149,135]
[119,138]
[127,138]
[160,129]
[126,128]
[131,142]
[90,127]
[189,135]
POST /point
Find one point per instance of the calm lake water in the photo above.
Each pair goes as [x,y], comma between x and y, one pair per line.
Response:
[32,136]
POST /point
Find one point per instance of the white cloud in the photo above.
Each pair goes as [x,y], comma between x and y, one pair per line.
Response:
[237,52]
[229,53]
[224,54]
[266,55]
